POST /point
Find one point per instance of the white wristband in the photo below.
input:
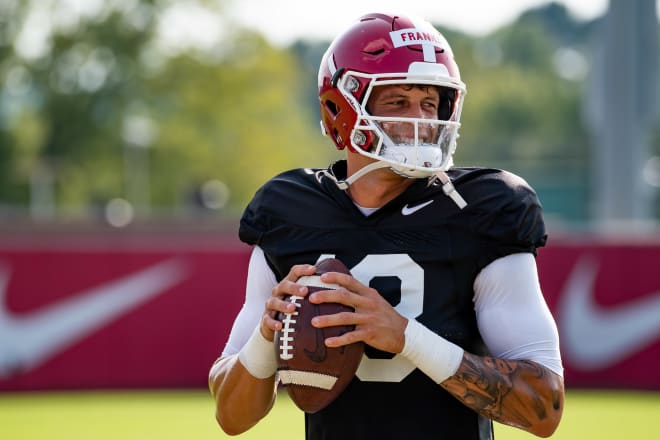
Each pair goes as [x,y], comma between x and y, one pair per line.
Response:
[431,353]
[258,356]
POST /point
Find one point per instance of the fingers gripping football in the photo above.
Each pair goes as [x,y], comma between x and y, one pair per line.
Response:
[277,303]
[313,373]
[376,322]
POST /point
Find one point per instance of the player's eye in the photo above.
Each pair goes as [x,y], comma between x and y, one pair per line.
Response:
[432,105]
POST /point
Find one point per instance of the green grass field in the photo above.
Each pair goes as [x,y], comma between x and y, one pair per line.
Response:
[165,415]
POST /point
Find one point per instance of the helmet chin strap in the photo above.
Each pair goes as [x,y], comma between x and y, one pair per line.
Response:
[344,184]
[447,186]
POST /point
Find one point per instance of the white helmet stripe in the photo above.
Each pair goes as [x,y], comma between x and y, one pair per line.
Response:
[429,53]
[331,64]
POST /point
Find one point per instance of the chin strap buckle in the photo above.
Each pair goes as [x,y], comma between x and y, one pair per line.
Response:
[448,188]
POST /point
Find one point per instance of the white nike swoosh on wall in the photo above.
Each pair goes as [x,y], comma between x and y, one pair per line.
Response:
[594,337]
[27,340]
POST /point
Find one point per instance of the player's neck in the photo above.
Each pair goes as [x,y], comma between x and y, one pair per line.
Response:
[377,188]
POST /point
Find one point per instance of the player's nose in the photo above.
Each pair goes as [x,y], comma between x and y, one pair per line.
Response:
[416,110]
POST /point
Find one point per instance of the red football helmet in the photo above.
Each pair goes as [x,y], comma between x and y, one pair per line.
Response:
[384,49]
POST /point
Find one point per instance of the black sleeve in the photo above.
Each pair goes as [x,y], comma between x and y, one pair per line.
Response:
[255,220]
[520,219]
[275,220]
[504,212]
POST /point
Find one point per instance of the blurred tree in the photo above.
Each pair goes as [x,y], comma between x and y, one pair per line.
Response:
[68,78]
[15,83]
[523,107]
[103,100]
[110,99]
[240,120]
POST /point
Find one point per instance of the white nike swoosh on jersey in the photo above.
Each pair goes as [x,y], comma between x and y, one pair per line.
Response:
[29,339]
[407,210]
[594,337]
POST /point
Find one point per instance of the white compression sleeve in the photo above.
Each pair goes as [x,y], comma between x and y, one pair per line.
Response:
[512,315]
[260,282]
[431,353]
[255,352]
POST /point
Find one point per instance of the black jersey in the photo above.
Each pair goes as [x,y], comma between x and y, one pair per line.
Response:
[422,253]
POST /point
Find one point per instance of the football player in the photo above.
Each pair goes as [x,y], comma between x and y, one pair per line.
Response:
[445,286]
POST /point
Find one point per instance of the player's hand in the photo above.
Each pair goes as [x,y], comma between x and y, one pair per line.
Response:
[376,322]
[276,302]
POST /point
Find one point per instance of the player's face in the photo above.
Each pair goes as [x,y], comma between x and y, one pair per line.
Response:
[408,101]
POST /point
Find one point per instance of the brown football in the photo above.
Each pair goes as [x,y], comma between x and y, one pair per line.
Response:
[313,374]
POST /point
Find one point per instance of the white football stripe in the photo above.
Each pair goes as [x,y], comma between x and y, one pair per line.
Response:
[307,378]
[315,281]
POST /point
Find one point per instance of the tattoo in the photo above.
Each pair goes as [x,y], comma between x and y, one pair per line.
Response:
[556,400]
[505,390]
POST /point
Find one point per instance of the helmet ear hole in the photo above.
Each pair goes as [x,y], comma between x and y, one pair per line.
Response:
[332,107]
[446,105]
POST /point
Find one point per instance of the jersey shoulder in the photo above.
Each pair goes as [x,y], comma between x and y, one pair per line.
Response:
[502,205]
[493,185]
[289,195]
[300,181]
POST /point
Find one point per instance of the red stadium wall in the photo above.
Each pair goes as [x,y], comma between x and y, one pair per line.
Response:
[114,312]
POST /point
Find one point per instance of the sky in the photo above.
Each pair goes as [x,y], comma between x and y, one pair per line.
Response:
[285,21]
[187,23]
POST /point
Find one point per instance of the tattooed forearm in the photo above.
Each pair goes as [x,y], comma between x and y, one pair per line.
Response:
[518,393]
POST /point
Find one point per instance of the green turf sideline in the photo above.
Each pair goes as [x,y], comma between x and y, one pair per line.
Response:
[165,415]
